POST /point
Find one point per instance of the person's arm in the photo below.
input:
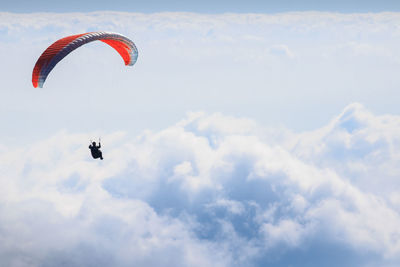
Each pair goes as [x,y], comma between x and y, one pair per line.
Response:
[99,145]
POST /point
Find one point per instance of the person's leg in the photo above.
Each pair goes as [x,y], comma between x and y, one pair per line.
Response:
[101,155]
[94,155]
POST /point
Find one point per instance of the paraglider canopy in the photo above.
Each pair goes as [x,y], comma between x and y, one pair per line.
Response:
[61,48]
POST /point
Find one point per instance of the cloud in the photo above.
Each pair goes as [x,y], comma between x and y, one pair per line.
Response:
[281,50]
[216,188]
[207,191]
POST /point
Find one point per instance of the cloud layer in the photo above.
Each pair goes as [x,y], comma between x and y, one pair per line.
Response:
[216,188]
[211,190]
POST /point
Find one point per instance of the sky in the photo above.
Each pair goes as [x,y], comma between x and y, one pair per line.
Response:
[248,134]
[205,6]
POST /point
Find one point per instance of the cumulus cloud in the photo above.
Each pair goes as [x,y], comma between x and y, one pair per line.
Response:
[214,189]
[207,191]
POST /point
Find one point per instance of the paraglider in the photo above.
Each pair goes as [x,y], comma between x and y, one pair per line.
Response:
[95,151]
[61,48]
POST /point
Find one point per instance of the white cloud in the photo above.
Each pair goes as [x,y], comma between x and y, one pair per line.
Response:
[281,50]
[286,231]
[214,189]
[232,206]
[205,191]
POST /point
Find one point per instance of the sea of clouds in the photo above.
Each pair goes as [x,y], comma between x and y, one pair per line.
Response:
[277,170]
[211,190]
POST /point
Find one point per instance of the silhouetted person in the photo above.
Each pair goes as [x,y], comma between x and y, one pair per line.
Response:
[96,153]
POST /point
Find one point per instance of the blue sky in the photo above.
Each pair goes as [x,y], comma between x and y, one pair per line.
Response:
[235,140]
[206,6]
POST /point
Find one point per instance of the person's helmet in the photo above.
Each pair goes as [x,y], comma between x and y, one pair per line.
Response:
[94,143]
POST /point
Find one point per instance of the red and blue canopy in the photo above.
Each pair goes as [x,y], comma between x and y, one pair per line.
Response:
[61,48]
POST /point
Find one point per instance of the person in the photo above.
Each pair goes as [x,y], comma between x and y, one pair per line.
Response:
[96,152]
